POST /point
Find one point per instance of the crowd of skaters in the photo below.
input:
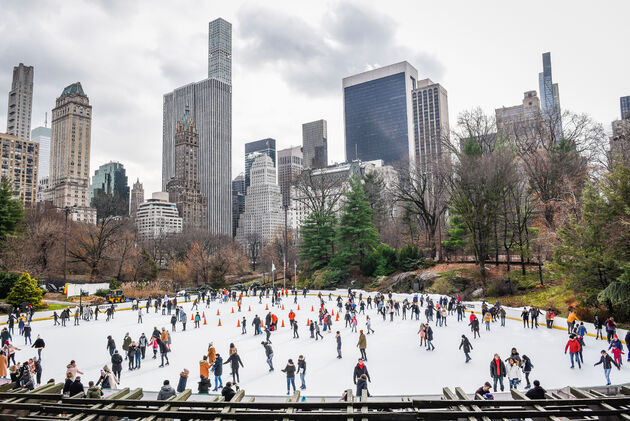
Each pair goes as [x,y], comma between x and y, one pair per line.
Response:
[514,368]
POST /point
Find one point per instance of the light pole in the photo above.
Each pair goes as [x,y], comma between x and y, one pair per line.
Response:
[286,241]
[67,210]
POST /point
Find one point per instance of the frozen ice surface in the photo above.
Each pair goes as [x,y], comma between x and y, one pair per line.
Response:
[396,362]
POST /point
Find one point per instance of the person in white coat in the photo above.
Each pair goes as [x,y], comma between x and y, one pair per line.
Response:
[513,373]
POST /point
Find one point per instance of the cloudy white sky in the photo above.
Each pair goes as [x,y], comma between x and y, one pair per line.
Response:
[289,58]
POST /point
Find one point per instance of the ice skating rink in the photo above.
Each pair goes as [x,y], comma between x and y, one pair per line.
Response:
[396,362]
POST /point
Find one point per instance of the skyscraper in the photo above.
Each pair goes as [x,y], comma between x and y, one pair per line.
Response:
[378,114]
[137,198]
[41,135]
[109,191]
[184,189]
[20,102]
[238,200]
[625,107]
[315,144]
[158,218]
[430,123]
[290,165]
[210,104]
[255,149]
[263,203]
[520,120]
[70,153]
[550,96]
[220,50]
[18,159]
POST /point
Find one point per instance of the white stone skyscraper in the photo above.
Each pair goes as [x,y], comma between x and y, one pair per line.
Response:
[220,50]
[263,203]
[21,102]
[137,198]
[290,165]
[70,153]
[210,104]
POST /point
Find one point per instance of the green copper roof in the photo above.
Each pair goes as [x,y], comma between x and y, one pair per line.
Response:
[74,89]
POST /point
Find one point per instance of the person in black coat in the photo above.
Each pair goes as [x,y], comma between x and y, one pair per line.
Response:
[607,362]
[39,344]
[359,370]
[290,370]
[117,360]
[218,372]
[67,384]
[76,387]
[497,371]
[235,360]
[465,343]
[204,386]
[537,392]
[111,345]
[361,385]
[227,392]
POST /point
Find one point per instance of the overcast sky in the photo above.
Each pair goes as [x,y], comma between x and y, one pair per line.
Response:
[289,58]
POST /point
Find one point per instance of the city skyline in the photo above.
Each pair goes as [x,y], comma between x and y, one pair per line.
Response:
[276,72]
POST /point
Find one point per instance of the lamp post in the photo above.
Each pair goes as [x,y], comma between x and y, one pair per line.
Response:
[67,210]
[286,241]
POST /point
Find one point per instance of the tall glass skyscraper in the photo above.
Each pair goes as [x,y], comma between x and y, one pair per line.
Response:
[109,191]
[378,114]
[255,149]
[315,144]
[220,50]
[210,104]
[550,96]
[625,107]
[42,135]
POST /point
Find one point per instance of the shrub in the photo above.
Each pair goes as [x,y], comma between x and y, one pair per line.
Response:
[409,258]
[328,278]
[26,290]
[381,261]
[114,284]
[101,293]
[441,286]
[7,280]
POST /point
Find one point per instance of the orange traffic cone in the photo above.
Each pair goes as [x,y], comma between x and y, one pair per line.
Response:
[312,308]
[250,308]
[267,307]
[192,318]
[332,312]
[282,322]
[337,318]
[204,321]
[238,323]
[283,306]
[261,324]
[203,314]
[308,322]
[217,311]
[219,322]
[232,309]
[298,306]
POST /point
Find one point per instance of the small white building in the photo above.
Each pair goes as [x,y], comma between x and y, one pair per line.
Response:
[157,217]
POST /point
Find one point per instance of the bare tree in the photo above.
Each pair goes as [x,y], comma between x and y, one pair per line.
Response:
[319,192]
[93,244]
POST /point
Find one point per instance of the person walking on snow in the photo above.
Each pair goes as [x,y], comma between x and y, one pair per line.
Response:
[513,373]
[527,366]
[607,362]
[290,370]
[429,338]
[234,361]
[574,348]
[359,370]
[497,371]
[269,354]
[465,343]
[338,338]
[301,370]
[362,344]
[368,325]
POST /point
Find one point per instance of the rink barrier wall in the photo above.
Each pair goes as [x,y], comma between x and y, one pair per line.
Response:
[543,325]
[569,403]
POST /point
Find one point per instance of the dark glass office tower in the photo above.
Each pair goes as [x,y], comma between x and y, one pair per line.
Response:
[378,114]
[625,107]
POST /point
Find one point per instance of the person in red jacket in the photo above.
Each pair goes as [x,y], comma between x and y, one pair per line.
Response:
[291,317]
[573,345]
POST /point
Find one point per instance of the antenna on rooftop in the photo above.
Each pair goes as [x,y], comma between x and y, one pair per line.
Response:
[46,119]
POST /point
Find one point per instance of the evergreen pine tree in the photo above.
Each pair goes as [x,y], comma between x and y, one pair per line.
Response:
[25,290]
[317,240]
[11,211]
[356,235]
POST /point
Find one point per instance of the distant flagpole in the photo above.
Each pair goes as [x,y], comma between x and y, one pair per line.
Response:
[273,278]
[295,275]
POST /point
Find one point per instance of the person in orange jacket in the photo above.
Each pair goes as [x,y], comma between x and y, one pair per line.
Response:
[291,317]
[204,368]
